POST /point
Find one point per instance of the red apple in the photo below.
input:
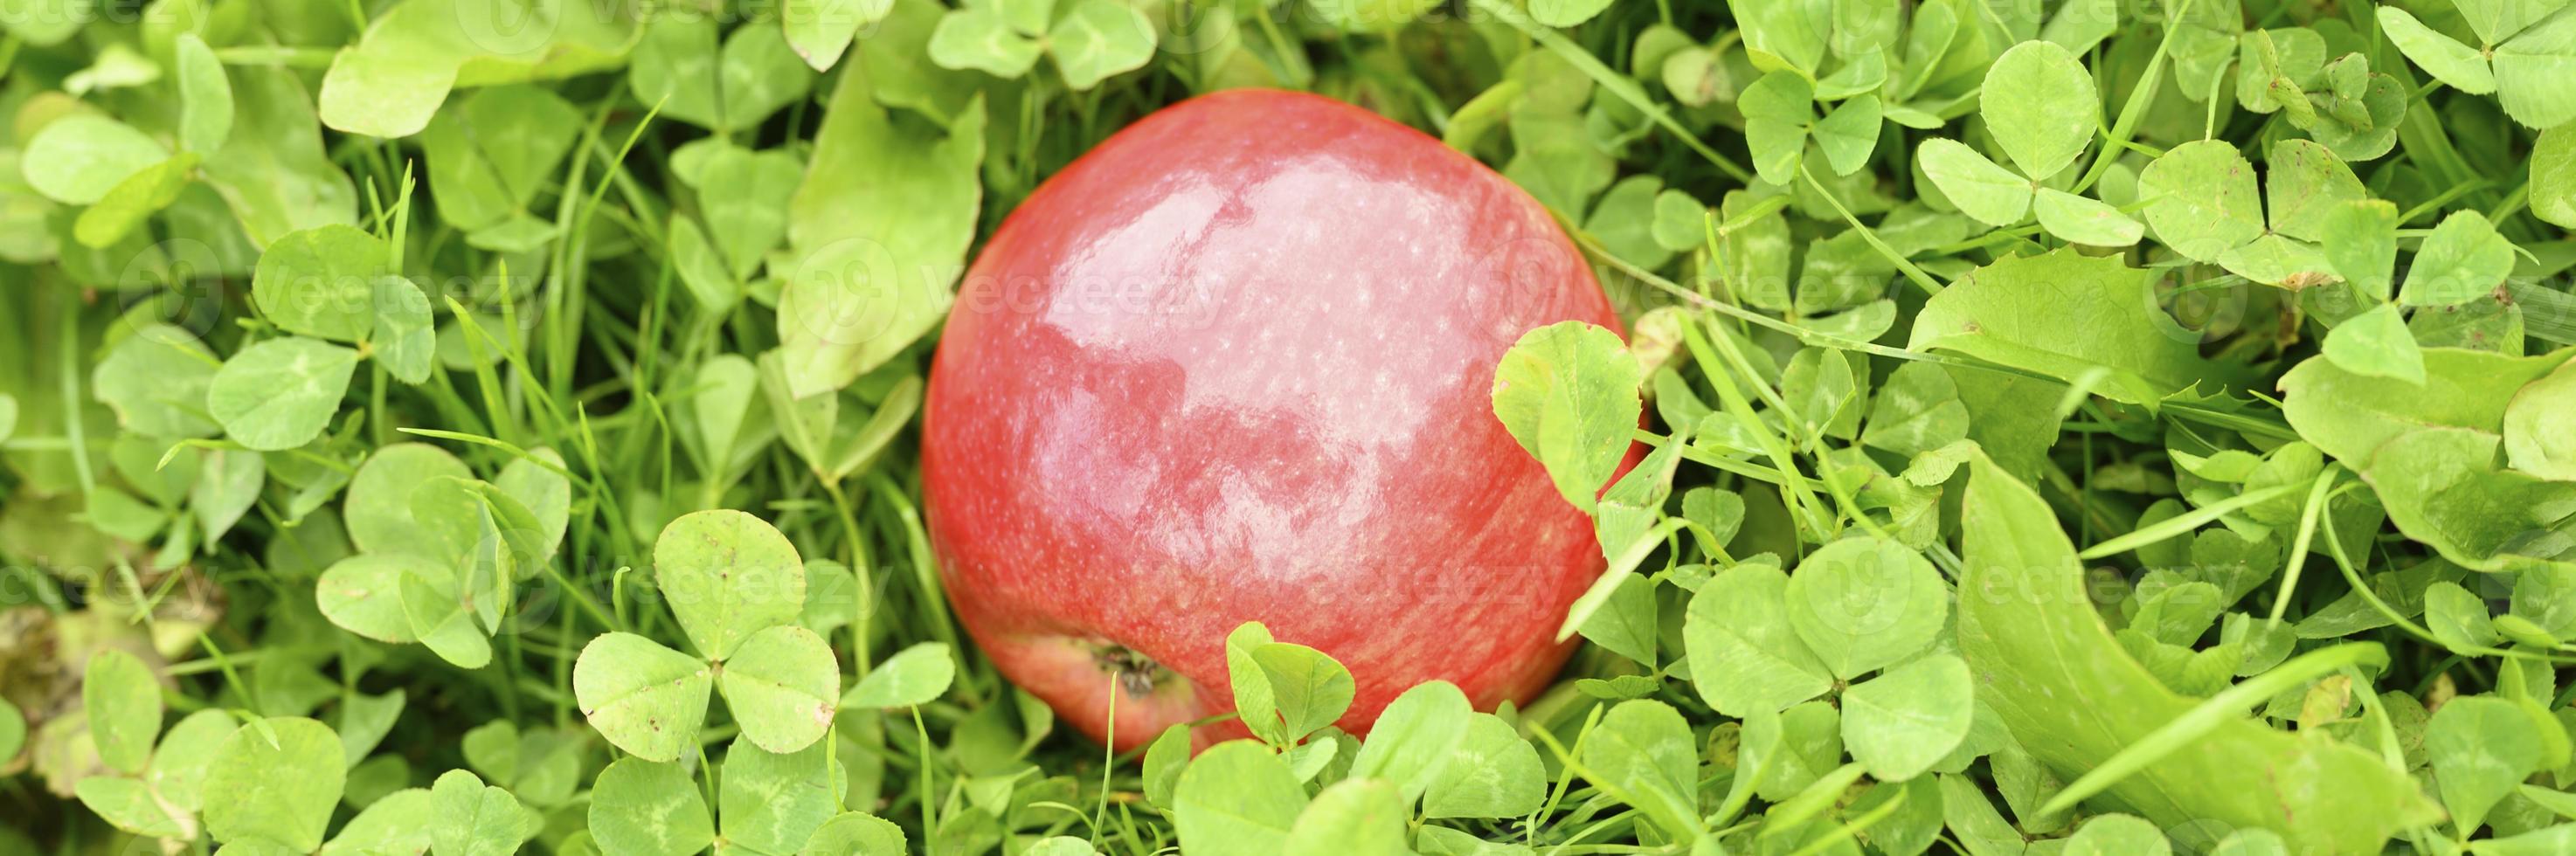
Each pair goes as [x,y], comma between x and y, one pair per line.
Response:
[1235,364]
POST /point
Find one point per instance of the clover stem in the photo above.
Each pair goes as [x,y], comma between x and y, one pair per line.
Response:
[2136,107]
[2308,511]
[1903,265]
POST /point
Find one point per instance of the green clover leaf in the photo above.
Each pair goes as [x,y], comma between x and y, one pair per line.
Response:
[1568,393]
[646,699]
[280,393]
[275,781]
[2040,104]
[651,809]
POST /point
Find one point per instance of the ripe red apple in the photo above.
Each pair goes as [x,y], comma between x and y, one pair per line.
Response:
[1235,364]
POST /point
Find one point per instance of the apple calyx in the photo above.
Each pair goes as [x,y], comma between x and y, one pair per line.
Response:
[1137,674]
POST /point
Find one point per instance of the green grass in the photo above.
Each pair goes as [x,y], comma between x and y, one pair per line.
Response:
[2066,430]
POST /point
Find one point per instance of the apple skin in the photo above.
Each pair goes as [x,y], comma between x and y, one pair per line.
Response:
[1236,364]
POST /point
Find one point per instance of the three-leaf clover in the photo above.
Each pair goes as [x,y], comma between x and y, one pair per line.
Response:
[476,819]
[679,67]
[2341,104]
[737,588]
[490,154]
[391,83]
[1780,117]
[1091,40]
[742,200]
[2522,55]
[1642,754]
[1760,641]
[333,283]
[2041,107]
[154,790]
[2201,203]
[1284,691]
[441,552]
[766,802]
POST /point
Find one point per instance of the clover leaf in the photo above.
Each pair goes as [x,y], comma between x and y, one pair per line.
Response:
[2522,50]
[856,832]
[1091,40]
[1901,723]
[363,594]
[1415,739]
[1100,39]
[155,380]
[1236,795]
[1351,816]
[1779,111]
[737,588]
[275,782]
[678,66]
[134,200]
[2205,207]
[1568,393]
[1861,604]
[127,804]
[646,699]
[321,282]
[2480,747]
[648,808]
[821,30]
[280,393]
[2376,342]
[1285,691]
[982,38]
[727,576]
[783,687]
[2041,107]
[1496,773]
[122,701]
[475,819]
[78,159]
[913,676]
[2342,104]
[2462,260]
[402,68]
[1849,133]
[491,153]
[1744,654]
[771,802]
[1980,187]
[2040,104]
[1642,754]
